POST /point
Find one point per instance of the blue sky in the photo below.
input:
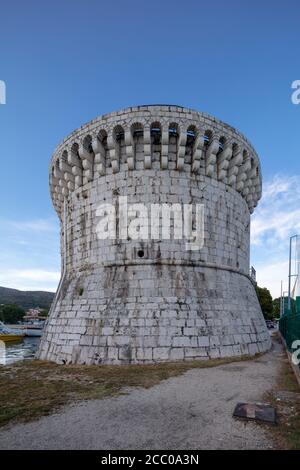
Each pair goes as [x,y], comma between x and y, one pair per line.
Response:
[65,62]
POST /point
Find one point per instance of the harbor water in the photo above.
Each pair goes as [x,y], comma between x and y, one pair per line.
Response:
[15,352]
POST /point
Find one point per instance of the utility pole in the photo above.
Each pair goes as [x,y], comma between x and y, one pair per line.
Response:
[290,274]
[281,301]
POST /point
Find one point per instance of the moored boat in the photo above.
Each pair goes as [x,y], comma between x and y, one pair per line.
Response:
[29,329]
[11,338]
[9,335]
[33,331]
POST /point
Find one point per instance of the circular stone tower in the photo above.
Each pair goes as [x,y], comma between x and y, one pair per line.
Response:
[124,298]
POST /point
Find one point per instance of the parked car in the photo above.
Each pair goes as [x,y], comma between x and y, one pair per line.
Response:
[270,324]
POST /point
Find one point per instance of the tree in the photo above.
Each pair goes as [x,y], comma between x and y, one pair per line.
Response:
[276,307]
[11,313]
[266,302]
[44,313]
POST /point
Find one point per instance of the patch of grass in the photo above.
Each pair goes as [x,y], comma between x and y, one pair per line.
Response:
[286,379]
[287,433]
[31,389]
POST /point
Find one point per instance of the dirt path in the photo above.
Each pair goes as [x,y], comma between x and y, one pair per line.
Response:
[191,411]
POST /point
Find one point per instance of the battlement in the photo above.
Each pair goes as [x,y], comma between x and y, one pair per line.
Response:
[110,143]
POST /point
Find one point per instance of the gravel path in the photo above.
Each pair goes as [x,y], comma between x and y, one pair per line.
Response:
[191,411]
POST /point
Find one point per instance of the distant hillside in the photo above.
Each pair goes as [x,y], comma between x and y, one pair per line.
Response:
[26,299]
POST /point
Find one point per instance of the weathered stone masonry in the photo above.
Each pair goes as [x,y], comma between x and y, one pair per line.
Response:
[143,301]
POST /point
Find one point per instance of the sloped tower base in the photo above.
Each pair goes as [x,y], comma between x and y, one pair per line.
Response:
[164,324]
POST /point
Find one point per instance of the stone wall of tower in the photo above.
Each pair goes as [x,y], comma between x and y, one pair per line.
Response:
[154,300]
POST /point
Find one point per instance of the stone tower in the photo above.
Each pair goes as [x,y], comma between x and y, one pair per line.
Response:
[136,300]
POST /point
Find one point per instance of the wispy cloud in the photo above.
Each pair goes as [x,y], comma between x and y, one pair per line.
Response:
[278,213]
[271,274]
[29,279]
[276,218]
[38,225]
[29,259]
